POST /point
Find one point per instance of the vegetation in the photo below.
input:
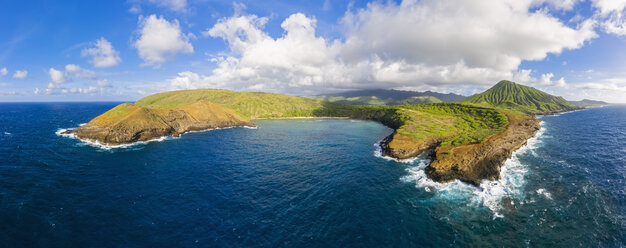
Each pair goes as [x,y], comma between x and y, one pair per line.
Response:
[251,105]
[388,97]
[472,124]
[454,123]
[509,95]
[446,123]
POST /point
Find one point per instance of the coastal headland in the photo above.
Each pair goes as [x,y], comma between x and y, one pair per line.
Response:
[468,140]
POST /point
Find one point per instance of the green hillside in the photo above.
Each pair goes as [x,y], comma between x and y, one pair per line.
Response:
[251,105]
[420,100]
[356,100]
[456,123]
[509,95]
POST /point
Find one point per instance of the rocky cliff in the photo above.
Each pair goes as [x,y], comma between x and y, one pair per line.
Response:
[469,142]
[129,123]
[472,163]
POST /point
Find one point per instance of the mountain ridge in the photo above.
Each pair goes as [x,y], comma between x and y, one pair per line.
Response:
[388,97]
[509,95]
[466,141]
[588,103]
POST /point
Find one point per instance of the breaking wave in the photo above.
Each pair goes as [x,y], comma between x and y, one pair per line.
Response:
[494,195]
[378,152]
[63,132]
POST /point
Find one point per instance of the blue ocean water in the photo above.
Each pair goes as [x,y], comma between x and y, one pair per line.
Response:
[301,183]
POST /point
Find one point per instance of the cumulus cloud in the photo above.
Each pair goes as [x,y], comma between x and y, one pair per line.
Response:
[91,88]
[477,32]
[102,83]
[61,84]
[79,72]
[20,74]
[416,44]
[612,15]
[4,71]
[524,77]
[558,4]
[160,39]
[56,76]
[103,54]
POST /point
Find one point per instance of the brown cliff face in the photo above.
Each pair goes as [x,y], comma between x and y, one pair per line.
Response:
[469,163]
[129,123]
[472,163]
[401,146]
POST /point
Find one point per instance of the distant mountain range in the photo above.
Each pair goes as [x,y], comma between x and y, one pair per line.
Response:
[388,97]
[588,103]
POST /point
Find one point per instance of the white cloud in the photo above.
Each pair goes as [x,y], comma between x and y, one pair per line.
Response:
[603,86]
[558,4]
[103,54]
[186,80]
[56,76]
[416,44]
[612,15]
[86,90]
[20,74]
[4,71]
[524,77]
[79,72]
[160,39]
[175,5]
[135,9]
[608,6]
[477,32]
[100,87]
[102,83]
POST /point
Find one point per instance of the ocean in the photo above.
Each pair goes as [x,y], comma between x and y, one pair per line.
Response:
[301,183]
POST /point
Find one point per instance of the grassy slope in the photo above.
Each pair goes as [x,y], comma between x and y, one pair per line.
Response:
[251,105]
[509,95]
[133,117]
[457,123]
[357,100]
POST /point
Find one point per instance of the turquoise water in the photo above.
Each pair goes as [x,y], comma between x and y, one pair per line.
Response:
[304,183]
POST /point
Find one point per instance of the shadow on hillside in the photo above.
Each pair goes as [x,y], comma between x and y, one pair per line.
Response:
[386,115]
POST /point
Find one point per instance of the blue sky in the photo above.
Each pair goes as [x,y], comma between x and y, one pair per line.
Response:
[124,50]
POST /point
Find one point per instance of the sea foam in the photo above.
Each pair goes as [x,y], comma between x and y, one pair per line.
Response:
[378,152]
[489,194]
[94,143]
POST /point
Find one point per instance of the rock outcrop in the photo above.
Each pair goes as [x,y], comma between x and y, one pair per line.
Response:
[469,142]
[472,163]
[469,163]
[129,123]
[404,147]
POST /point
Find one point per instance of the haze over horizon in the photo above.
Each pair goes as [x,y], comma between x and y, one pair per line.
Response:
[100,51]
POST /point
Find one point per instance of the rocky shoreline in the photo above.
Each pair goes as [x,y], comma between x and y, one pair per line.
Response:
[143,124]
[473,163]
[470,163]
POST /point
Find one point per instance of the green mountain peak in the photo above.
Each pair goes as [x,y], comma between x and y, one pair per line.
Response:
[510,95]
